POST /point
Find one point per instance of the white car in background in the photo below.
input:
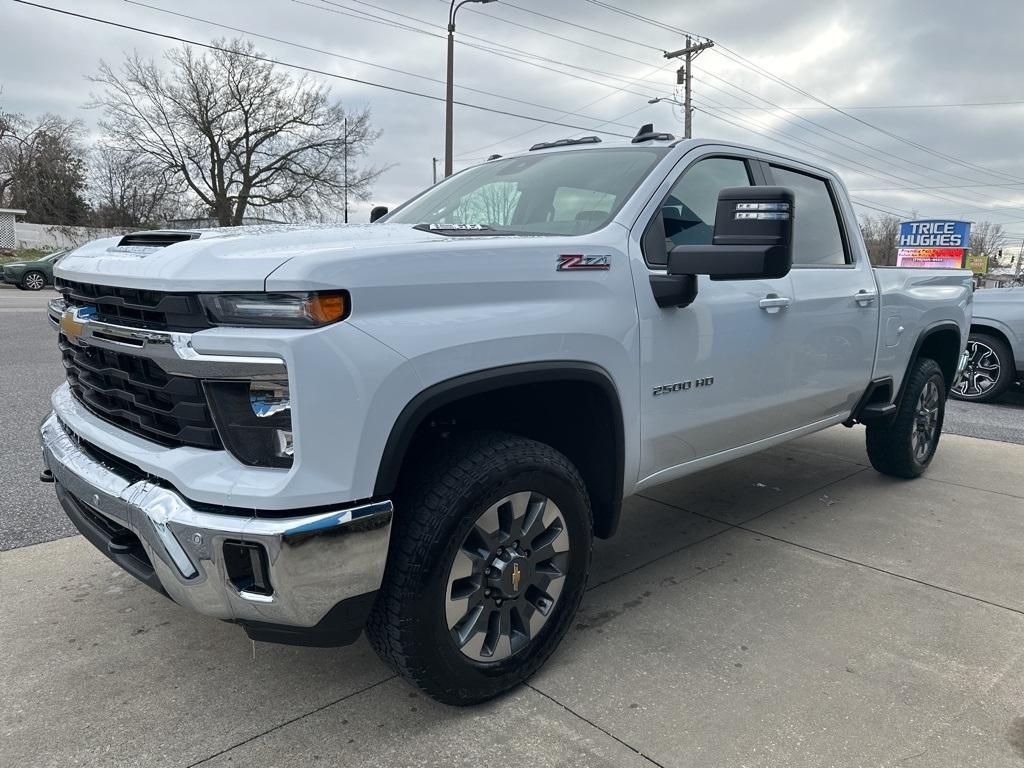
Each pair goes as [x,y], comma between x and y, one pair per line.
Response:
[995,347]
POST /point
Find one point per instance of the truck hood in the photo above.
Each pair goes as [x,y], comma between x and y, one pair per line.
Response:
[227,259]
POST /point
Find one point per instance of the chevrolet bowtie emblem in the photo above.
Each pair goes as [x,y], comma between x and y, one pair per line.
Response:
[70,325]
[517,576]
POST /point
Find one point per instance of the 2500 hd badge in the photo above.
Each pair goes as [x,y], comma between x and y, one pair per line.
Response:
[682,386]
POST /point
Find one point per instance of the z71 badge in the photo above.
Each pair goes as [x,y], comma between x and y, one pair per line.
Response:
[573,261]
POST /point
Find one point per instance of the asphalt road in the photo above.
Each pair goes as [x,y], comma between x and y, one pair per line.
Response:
[30,370]
[1000,420]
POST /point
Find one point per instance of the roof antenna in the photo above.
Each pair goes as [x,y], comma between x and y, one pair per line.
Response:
[644,129]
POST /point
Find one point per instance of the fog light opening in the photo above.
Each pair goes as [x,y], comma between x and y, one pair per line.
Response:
[246,565]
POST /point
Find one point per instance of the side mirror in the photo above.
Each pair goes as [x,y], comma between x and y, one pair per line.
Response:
[753,237]
[377,211]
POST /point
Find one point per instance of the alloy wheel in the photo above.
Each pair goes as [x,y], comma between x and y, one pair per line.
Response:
[981,373]
[926,421]
[35,281]
[507,576]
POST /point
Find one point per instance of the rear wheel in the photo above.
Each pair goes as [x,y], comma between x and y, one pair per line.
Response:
[989,371]
[488,564]
[33,281]
[905,446]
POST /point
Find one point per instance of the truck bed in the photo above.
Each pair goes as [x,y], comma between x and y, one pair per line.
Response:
[911,301]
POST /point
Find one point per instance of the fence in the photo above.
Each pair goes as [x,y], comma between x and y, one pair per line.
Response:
[52,237]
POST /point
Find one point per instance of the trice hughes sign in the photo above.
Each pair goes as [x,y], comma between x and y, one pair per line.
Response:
[933,243]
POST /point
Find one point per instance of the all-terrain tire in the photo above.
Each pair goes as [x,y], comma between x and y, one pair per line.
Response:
[435,510]
[891,445]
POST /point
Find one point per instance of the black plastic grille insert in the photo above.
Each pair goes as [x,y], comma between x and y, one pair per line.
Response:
[135,394]
[137,308]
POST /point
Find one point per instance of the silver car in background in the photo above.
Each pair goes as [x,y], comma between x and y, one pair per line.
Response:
[996,345]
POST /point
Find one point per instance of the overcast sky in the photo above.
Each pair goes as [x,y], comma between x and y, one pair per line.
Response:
[853,55]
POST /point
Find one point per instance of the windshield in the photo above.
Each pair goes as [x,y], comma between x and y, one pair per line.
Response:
[557,193]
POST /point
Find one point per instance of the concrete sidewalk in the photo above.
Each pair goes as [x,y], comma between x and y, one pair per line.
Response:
[789,609]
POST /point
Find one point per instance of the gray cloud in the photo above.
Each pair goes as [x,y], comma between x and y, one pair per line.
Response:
[874,52]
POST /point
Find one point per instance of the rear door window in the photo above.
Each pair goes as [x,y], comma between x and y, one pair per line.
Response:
[817,232]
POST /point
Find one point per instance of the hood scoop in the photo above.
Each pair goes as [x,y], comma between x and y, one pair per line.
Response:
[144,243]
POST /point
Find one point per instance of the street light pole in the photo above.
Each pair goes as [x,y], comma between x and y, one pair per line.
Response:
[670,101]
[452,10]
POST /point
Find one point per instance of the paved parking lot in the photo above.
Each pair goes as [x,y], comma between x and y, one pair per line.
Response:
[789,609]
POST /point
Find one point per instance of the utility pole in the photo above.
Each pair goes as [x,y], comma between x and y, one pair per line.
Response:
[435,169]
[346,170]
[684,77]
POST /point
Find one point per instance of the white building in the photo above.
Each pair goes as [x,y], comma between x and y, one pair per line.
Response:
[7,216]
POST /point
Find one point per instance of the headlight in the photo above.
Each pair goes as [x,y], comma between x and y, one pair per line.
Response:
[277,310]
[254,420]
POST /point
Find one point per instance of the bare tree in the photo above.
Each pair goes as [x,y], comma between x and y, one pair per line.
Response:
[881,238]
[988,239]
[11,127]
[128,189]
[237,132]
[493,203]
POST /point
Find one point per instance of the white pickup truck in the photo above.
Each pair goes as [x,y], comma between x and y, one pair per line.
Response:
[417,425]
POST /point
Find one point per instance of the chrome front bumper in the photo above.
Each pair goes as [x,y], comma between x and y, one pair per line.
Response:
[314,561]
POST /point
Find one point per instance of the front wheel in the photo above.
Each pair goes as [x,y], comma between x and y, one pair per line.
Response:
[488,563]
[905,447]
[33,281]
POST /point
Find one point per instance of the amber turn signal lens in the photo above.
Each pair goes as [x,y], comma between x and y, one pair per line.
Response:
[326,308]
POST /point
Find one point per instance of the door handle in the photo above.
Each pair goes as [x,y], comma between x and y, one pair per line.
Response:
[865,298]
[772,303]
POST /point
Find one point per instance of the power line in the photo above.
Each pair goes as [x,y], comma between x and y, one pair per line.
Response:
[520,25]
[845,144]
[955,186]
[348,58]
[828,158]
[913,106]
[815,150]
[302,68]
[645,19]
[577,26]
[875,205]
[847,138]
[873,171]
[731,55]
[820,127]
[882,208]
[585,106]
[511,53]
